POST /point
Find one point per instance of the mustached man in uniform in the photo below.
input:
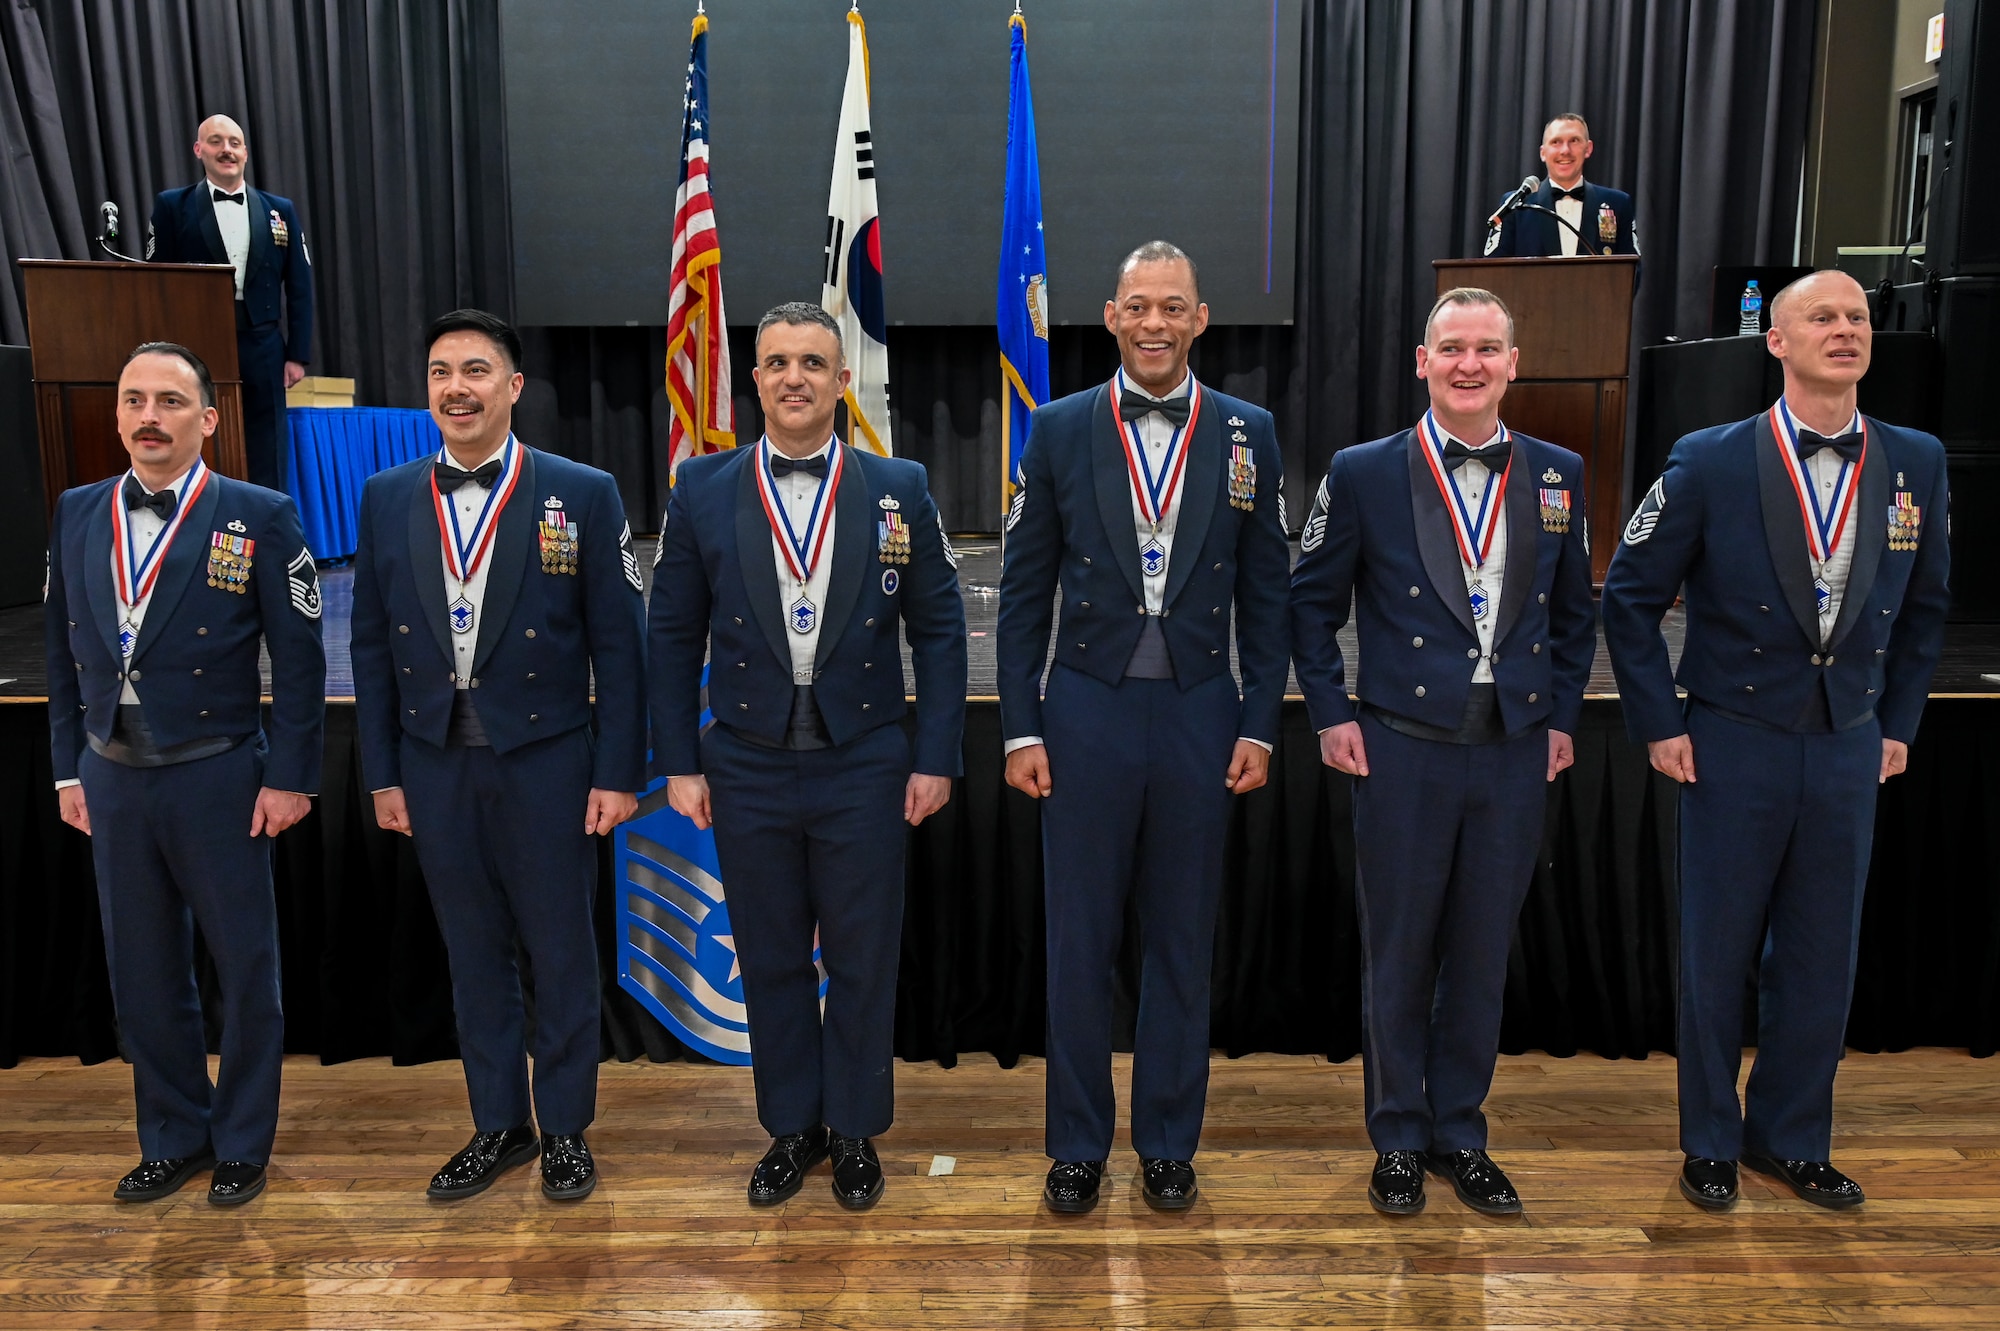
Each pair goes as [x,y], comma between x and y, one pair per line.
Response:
[1810,547]
[493,585]
[788,567]
[1459,545]
[162,583]
[1152,503]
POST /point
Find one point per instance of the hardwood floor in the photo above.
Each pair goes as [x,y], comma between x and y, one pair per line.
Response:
[1282,1236]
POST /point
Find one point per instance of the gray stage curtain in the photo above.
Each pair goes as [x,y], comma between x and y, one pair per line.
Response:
[1418,115]
[381,119]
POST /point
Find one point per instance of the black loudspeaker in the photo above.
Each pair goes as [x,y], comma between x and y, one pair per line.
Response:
[1963,238]
[24,535]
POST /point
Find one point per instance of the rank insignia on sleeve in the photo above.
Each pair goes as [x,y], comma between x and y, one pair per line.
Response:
[560,541]
[1647,516]
[229,562]
[1905,522]
[1242,478]
[629,559]
[892,539]
[1019,502]
[1555,511]
[1492,241]
[302,580]
[1314,531]
[950,550]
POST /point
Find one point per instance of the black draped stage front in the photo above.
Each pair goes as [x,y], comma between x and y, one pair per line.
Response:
[1592,968]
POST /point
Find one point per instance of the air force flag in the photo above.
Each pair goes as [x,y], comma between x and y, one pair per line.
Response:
[1022,310]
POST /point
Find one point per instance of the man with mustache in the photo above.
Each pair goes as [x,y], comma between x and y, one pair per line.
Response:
[1810,546]
[1602,218]
[221,219]
[790,566]
[493,585]
[1459,545]
[1152,503]
[162,583]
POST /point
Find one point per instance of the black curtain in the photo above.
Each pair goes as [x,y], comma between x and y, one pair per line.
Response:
[381,119]
[1592,965]
[1418,115]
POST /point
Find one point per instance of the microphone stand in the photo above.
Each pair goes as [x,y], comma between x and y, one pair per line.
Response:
[1581,241]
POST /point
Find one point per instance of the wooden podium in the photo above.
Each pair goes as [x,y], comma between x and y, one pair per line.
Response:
[1573,323]
[83,321]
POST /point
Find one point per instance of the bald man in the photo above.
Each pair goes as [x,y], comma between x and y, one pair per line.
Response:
[221,219]
[1812,544]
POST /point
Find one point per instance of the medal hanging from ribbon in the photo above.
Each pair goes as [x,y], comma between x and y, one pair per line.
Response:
[136,573]
[802,550]
[1473,531]
[1824,525]
[1156,494]
[465,551]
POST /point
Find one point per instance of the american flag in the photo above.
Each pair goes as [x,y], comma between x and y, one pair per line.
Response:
[697,337]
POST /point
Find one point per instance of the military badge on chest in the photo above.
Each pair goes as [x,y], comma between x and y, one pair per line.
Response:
[1555,504]
[1905,521]
[892,535]
[281,235]
[1607,224]
[1242,474]
[229,555]
[559,537]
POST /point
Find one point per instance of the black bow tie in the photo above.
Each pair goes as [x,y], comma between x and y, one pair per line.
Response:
[1131,406]
[450,477]
[1494,455]
[1847,445]
[222,196]
[1576,194]
[784,466]
[161,502]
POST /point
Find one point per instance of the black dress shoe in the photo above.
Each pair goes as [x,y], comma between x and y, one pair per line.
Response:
[1397,1185]
[857,1174]
[235,1182]
[1709,1184]
[1477,1181]
[1814,1181]
[154,1179]
[568,1172]
[783,1168]
[1072,1185]
[1169,1184]
[485,1158]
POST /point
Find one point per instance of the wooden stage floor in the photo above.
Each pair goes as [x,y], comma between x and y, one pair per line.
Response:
[1282,1236]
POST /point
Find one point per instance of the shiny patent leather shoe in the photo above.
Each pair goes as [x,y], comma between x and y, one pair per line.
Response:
[154,1179]
[568,1172]
[1814,1181]
[783,1168]
[1169,1184]
[1397,1185]
[485,1158]
[857,1173]
[1478,1182]
[1072,1185]
[1709,1184]
[235,1182]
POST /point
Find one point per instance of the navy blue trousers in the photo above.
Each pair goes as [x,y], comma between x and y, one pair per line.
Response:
[511,871]
[809,841]
[1445,839]
[260,358]
[173,849]
[1137,810]
[1775,834]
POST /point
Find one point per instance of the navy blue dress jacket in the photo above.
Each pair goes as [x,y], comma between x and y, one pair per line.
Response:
[183,230]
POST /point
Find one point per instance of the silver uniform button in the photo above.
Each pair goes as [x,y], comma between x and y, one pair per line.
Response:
[1416,642]
[1420,690]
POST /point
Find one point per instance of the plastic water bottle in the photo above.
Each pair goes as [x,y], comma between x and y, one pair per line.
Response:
[1751,323]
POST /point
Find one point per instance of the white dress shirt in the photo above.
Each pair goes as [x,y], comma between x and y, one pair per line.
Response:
[467,500]
[798,490]
[233,221]
[1824,471]
[1473,479]
[1571,211]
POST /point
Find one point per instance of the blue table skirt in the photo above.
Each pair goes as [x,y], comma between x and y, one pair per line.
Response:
[334,450]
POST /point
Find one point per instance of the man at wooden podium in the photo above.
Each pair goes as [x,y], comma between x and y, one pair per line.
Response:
[1600,220]
[220,219]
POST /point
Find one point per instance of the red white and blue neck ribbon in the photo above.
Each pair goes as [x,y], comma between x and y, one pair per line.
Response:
[802,550]
[136,572]
[1474,531]
[465,551]
[1824,525]
[1156,493]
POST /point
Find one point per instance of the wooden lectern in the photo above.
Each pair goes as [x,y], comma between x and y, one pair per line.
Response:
[1573,323]
[83,321]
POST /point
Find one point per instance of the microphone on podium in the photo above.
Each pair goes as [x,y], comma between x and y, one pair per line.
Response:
[107,230]
[1515,200]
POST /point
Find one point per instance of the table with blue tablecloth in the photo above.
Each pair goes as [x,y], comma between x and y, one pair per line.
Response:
[334,450]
